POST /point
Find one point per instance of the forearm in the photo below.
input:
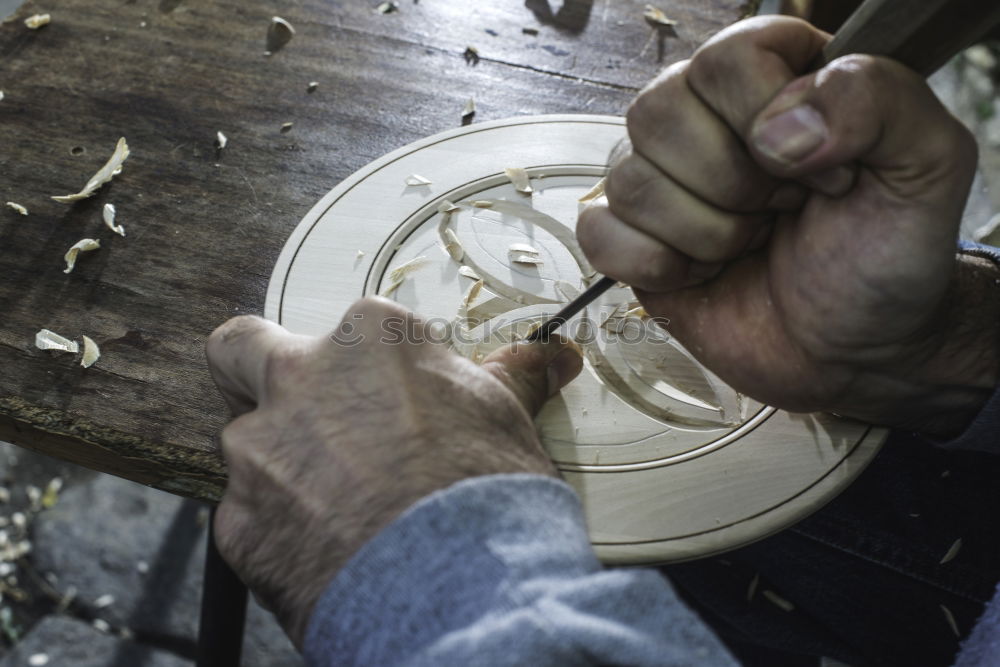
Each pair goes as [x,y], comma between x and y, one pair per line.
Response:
[498,571]
[954,367]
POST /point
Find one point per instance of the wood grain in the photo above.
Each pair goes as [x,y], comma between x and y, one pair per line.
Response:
[204,227]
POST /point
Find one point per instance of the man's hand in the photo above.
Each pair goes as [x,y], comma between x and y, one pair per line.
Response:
[338,436]
[799,231]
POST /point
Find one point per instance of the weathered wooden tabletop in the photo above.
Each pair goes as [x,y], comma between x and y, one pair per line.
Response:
[205,226]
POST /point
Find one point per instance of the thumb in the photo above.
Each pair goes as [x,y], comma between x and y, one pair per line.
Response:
[863,110]
[535,371]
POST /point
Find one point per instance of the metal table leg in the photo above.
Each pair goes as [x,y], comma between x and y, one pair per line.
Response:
[223,611]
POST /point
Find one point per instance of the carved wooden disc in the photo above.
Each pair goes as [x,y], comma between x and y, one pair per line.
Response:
[670,462]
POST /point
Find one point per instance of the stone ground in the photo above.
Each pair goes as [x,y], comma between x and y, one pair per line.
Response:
[100,572]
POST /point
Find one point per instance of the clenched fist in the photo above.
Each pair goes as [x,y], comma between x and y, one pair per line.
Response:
[799,229]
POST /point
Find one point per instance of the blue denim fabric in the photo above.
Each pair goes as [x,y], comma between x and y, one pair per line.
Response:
[864,572]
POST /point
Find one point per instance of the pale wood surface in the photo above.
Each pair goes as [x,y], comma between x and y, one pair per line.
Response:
[204,228]
[670,462]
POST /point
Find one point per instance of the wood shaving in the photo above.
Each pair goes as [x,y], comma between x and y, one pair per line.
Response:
[37,21]
[50,340]
[17,207]
[393,286]
[467,272]
[51,495]
[447,207]
[279,33]
[752,588]
[313,85]
[221,140]
[638,311]
[109,220]
[38,660]
[286,127]
[950,618]
[778,601]
[403,270]
[83,245]
[482,203]
[416,179]
[111,168]
[657,17]
[593,194]
[469,110]
[453,246]
[526,259]
[1,96]
[91,353]
[519,177]
[361,253]
[952,551]
[387,8]
[471,295]
[522,248]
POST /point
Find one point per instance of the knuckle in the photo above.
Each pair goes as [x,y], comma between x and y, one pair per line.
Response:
[633,189]
[232,329]
[656,267]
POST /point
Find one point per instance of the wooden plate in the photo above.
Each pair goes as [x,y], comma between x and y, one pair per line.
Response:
[671,464]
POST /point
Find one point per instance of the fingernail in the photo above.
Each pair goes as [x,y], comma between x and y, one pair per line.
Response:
[563,368]
[792,135]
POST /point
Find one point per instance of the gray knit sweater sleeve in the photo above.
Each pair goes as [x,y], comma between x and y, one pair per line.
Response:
[498,571]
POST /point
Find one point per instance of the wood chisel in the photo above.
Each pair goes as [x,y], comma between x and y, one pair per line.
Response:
[921,34]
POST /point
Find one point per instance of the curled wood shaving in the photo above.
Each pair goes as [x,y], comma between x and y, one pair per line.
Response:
[361,253]
[447,207]
[482,203]
[91,353]
[37,21]
[593,194]
[778,601]
[83,245]
[111,168]
[950,619]
[403,270]
[17,207]
[221,140]
[522,248]
[416,179]
[286,127]
[467,272]
[279,33]
[109,220]
[387,8]
[952,551]
[469,110]
[526,259]
[656,16]
[313,85]
[519,177]
[453,246]
[50,340]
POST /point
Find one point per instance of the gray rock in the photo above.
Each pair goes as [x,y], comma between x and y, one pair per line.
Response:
[146,549]
[67,641]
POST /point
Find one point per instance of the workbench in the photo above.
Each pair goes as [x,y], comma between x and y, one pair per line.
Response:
[205,225]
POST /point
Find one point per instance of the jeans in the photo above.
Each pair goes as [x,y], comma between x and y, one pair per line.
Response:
[864,573]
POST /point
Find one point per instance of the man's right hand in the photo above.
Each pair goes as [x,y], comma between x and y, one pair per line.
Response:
[799,230]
